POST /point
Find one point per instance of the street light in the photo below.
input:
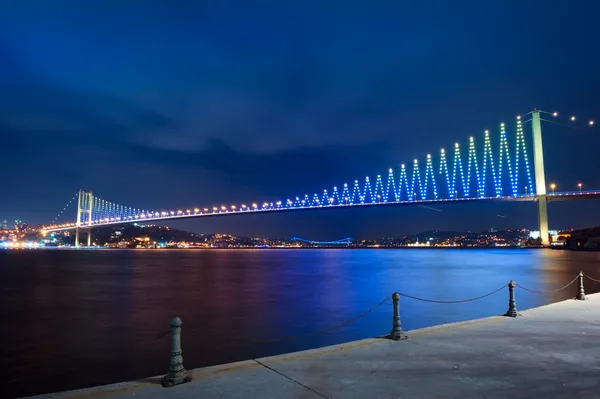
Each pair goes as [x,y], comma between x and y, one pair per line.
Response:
[579,185]
[525,190]
[552,187]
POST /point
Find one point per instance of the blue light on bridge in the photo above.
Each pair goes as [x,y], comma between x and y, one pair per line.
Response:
[492,175]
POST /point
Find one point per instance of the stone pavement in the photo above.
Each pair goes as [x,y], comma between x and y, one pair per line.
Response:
[550,352]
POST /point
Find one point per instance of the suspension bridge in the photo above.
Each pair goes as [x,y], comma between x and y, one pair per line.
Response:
[344,241]
[499,169]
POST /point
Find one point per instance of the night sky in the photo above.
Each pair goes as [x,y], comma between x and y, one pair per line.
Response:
[163,104]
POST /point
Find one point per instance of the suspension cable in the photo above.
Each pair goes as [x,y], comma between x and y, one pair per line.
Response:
[64,209]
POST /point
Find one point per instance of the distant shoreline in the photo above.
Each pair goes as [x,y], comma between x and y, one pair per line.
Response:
[255,248]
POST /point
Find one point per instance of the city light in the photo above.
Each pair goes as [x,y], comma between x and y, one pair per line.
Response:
[555,114]
[572,118]
[580,186]
[591,123]
[552,187]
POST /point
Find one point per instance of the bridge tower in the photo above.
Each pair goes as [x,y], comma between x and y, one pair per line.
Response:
[84,207]
[540,178]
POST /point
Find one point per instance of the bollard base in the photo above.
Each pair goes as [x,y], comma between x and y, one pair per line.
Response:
[170,380]
[397,335]
[512,313]
[581,297]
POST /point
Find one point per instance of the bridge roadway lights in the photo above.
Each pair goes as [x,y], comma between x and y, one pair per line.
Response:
[397,334]
[177,373]
[512,305]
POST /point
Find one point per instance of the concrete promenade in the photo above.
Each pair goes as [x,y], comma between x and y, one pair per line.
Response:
[550,352]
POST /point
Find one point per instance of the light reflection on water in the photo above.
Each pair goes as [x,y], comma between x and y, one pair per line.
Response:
[81,318]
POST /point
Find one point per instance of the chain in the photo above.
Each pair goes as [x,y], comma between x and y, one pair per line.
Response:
[162,335]
[457,301]
[591,278]
[293,338]
[548,292]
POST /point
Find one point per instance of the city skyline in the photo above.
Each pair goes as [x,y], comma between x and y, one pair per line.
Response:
[236,110]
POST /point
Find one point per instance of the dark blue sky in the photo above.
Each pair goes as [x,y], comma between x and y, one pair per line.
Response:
[178,104]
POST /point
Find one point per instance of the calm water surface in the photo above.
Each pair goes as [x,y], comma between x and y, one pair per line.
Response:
[71,319]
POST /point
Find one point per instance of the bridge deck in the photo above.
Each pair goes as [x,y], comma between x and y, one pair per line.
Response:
[551,352]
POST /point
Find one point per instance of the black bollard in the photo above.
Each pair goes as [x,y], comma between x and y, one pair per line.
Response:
[177,374]
[512,305]
[581,295]
[397,334]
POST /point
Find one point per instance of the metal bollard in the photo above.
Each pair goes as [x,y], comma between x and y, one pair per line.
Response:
[581,295]
[397,334]
[177,374]
[512,305]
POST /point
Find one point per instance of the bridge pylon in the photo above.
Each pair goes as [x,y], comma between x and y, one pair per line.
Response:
[540,178]
[84,216]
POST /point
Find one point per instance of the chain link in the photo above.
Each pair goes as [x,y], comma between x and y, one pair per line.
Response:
[548,292]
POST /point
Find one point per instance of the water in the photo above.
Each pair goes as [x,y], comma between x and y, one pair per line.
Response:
[71,319]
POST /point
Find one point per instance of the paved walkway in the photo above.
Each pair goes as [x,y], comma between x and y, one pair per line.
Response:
[550,352]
